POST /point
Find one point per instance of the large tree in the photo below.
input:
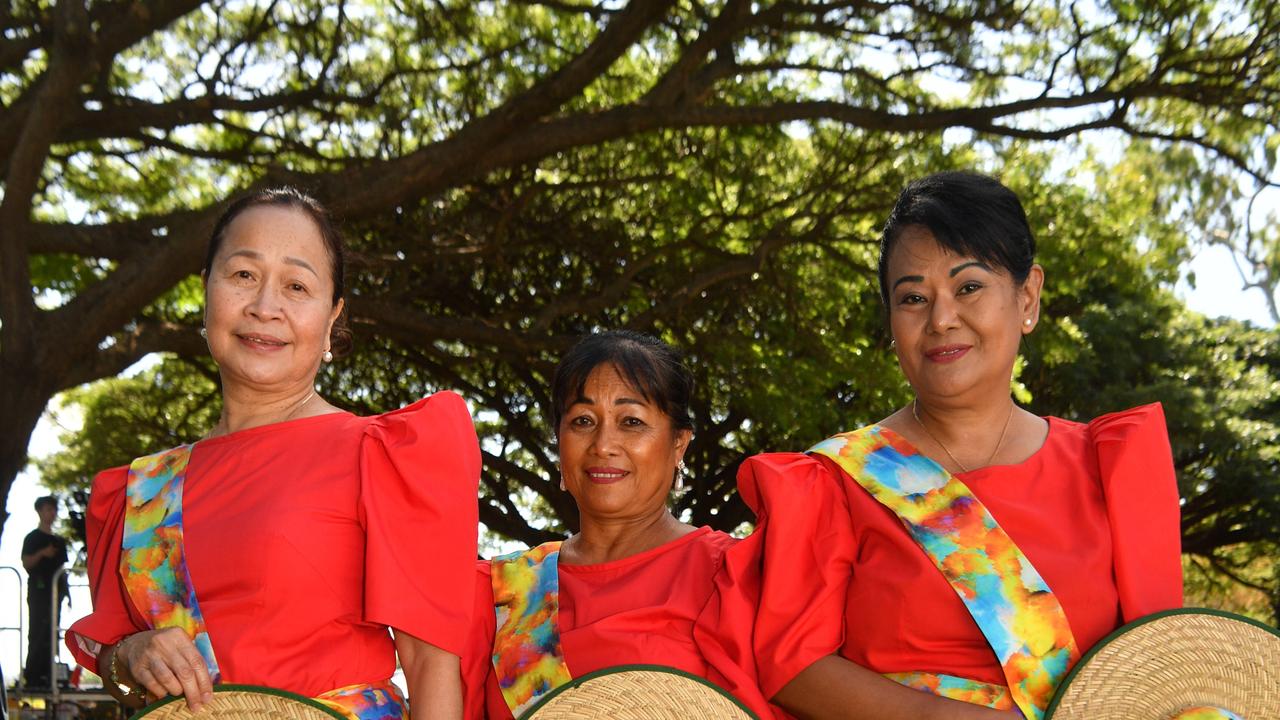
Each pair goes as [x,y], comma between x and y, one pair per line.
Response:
[514,173]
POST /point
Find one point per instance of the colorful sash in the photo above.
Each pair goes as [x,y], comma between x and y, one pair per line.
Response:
[526,647]
[371,701]
[1011,604]
[153,564]
[1206,712]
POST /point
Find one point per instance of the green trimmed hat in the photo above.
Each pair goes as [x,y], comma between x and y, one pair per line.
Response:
[638,692]
[1185,663]
[243,702]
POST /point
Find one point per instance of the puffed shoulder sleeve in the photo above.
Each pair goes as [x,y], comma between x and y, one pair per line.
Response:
[419,475]
[804,547]
[1141,489]
[113,615]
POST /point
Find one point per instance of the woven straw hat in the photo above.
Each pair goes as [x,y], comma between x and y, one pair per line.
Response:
[1159,665]
[638,692]
[243,702]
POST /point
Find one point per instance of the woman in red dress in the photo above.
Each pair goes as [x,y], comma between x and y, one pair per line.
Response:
[634,585]
[969,548]
[279,549]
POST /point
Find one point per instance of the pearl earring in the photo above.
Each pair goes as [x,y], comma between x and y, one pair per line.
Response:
[327,356]
[1027,322]
[204,333]
[681,471]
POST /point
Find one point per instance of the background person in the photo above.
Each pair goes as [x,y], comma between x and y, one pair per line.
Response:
[279,549]
[43,554]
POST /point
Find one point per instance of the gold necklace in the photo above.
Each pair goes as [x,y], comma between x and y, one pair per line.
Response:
[999,443]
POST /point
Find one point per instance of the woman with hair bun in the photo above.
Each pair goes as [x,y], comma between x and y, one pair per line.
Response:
[962,546]
[279,549]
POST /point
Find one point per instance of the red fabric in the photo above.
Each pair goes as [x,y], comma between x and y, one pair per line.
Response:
[306,539]
[898,613]
[639,610]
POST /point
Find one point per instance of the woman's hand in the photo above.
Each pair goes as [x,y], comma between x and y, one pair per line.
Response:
[165,662]
[834,688]
[434,677]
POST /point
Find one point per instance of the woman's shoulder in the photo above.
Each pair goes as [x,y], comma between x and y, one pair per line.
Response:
[1135,428]
[443,409]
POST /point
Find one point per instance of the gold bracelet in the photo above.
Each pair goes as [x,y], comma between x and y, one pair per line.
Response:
[114,675]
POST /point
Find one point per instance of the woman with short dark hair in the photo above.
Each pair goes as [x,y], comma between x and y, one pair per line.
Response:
[634,585]
[280,548]
[970,549]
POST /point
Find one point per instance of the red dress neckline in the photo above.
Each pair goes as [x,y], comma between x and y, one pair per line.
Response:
[638,557]
[293,424]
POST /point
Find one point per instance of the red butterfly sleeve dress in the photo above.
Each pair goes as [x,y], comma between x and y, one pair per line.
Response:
[306,539]
[1095,510]
[641,610]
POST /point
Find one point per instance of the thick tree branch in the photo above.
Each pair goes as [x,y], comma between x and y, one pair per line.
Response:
[130,346]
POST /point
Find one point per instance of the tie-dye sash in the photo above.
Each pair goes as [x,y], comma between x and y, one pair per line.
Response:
[153,564]
[526,647]
[1011,604]
[1205,712]
[371,701]
[956,688]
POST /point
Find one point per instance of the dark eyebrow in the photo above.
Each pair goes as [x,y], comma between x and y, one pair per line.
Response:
[908,278]
[307,266]
[251,254]
[255,255]
[976,263]
[584,400]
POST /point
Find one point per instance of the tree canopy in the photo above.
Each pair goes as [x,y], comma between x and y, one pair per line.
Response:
[512,174]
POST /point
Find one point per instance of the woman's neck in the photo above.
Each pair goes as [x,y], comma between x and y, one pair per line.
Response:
[245,408]
[966,437]
[605,540]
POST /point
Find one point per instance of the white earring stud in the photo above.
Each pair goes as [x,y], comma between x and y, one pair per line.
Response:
[327,356]
[204,333]
[1027,322]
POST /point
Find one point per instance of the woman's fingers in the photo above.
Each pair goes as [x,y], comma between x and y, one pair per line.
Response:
[200,688]
[166,662]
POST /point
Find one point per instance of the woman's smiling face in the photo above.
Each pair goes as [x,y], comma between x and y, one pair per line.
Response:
[618,451]
[957,321]
[269,299]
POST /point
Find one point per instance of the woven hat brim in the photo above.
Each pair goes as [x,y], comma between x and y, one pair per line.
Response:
[243,702]
[1162,663]
[638,692]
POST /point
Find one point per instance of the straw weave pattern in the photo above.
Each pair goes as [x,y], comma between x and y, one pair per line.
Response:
[1176,662]
[232,705]
[639,695]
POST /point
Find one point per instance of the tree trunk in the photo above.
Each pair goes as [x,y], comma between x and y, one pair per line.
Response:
[23,396]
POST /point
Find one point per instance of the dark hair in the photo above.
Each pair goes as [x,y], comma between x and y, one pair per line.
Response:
[46,500]
[969,214]
[289,197]
[655,369]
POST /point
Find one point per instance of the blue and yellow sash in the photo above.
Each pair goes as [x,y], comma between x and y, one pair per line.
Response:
[527,655]
[1011,604]
[153,567]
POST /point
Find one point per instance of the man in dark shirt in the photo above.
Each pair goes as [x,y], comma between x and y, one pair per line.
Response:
[43,553]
